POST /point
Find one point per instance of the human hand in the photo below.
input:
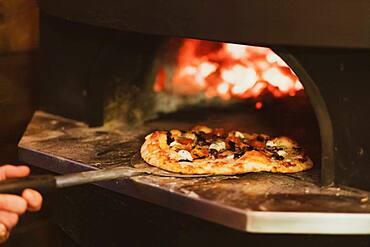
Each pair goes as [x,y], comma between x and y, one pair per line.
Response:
[13,206]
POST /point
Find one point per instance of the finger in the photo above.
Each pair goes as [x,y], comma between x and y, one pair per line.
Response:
[10,171]
[33,198]
[13,203]
[4,233]
[8,219]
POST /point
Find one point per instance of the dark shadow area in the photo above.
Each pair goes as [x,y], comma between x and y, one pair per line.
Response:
[17,104]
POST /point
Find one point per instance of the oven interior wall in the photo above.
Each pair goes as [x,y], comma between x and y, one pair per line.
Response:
[85,72]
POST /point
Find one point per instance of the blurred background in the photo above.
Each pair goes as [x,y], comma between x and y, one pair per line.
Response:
[18,69]
[19,39]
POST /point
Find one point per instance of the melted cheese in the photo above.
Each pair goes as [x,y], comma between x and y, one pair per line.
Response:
[218,146]
[184,155]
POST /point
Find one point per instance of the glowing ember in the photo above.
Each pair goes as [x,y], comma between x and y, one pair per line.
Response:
[276,78]
[259,105]
[228,70]
[236,51]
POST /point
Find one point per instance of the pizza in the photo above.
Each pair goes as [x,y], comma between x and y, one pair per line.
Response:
[203,150]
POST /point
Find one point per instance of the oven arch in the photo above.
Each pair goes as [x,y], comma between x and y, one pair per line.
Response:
[322,115]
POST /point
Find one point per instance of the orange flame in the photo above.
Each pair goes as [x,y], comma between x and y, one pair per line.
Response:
[229,70]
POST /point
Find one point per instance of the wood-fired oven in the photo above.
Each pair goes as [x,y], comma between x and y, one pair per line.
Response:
[111,71]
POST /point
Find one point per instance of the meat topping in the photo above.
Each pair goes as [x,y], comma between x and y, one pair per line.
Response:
[184,141]
[219,132]
[199,152]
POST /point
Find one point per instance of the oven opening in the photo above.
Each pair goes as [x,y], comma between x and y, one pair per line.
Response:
[230,86]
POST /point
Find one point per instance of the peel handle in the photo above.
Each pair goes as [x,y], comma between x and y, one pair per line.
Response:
[41,183]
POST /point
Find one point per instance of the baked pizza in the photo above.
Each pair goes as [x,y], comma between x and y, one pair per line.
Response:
[203,150]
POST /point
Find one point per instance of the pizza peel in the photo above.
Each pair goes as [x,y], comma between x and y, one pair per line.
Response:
[51,182]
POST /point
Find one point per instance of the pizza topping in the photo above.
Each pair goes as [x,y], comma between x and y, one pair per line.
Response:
[239,152]
[218,146]
[203,142]
[231,145]
[277,157]
[175,144]
[201,139]
[185,155]
[284,142]
[201,128]
[170,139]
[199,152]
[213,153]
[226,154]
[234,139]
[175,133]
[270,144]
[154,135]
[239,134]
[281,153]
[288,164]
[219,132]
[222,151]
[274,149]
[260,138]
[190,135]
[184,141]
[210,138]
[257,144]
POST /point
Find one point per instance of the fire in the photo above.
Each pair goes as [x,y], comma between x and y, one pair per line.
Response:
[241,78]
[236,51]
[229,71]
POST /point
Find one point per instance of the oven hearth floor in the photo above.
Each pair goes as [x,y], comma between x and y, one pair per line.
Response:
[255,202]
